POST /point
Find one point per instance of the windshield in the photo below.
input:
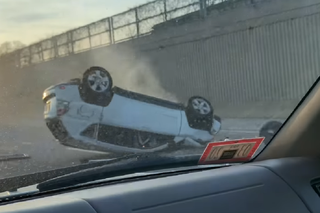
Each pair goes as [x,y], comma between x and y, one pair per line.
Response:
[84,82]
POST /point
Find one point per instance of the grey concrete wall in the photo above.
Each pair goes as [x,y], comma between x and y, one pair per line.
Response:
[251,59]
[262,52]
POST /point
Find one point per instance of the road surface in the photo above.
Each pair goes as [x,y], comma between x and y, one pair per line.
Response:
[47,154]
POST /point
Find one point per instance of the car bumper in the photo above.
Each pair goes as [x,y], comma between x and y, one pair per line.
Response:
[57,129]
[60,132]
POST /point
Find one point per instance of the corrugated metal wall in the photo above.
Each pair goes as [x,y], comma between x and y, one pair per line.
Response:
[278,61]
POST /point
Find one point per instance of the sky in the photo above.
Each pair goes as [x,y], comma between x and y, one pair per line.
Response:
[32,20]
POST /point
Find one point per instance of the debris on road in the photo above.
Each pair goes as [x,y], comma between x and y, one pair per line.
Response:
[8,157]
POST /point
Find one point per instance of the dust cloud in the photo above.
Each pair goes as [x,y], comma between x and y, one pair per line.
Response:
[132,71]
[22,88]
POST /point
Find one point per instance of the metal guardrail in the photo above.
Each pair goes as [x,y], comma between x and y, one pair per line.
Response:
[134,23]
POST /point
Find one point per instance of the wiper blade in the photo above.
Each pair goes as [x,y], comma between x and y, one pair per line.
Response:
[131,165]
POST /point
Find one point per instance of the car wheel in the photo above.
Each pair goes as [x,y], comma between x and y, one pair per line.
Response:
[199,113]
[200,107]
[96,86]
[269,129]
[97,79]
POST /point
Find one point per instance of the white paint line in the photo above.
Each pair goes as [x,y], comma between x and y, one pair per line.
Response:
[86,151]
[101,160]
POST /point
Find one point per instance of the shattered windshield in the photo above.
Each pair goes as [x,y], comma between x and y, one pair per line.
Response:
[85,82]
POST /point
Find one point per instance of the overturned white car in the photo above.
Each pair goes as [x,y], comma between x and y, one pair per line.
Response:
[91,114]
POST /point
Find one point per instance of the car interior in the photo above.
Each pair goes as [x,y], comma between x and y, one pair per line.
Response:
[285,177]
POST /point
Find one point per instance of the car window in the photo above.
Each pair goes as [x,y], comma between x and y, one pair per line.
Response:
[88,81]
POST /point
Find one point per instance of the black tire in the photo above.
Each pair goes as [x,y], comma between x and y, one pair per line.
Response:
[269,129]
[101,88]
[96,86]
[197,112]
[198,119]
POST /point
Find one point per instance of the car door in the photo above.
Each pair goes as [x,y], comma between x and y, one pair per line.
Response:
[134,114]
[81,116]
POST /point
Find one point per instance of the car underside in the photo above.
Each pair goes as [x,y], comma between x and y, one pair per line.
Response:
[119,120]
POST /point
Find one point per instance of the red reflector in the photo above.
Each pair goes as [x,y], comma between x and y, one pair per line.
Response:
[62,87]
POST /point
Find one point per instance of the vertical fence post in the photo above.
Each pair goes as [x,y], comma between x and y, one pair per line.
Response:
[40,52]
[165,10]
[110,30]
[89,34]
[55,47]
[137,21]
[70,42]
[203,8]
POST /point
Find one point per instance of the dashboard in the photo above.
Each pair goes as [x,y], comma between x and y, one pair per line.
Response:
[273,186]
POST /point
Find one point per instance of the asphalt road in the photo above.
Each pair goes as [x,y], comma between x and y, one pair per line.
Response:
[36,141]
[47,154]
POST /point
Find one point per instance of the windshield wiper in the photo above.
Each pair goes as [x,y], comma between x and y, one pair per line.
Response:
[119,167]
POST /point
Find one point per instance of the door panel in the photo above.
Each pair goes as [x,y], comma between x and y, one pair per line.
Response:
[80,116]
[84,111]
[134,114]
